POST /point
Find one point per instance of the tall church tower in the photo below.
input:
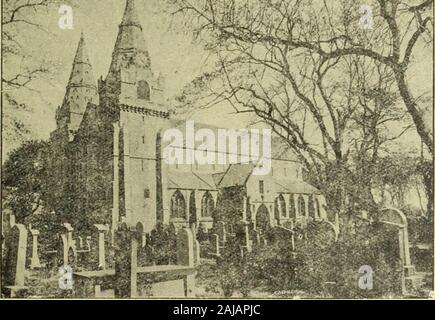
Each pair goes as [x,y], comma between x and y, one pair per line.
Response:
[131,97]
[130,79]
[80,91]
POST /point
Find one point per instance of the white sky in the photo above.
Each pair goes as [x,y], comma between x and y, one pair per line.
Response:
[172,53]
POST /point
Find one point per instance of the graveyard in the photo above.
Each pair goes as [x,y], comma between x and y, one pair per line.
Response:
[172,263]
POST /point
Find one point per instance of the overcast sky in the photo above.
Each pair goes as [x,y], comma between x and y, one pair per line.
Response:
[173,53]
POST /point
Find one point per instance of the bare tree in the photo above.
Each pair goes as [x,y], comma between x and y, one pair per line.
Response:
[329,30]
[21,68]
[312,74]
[16,16]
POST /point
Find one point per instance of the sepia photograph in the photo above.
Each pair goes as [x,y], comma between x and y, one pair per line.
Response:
[217,149]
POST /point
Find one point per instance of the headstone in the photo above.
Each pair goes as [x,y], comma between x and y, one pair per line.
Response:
[186,257]
[247,240]
[102,230]
[221,231]
[64,250]
[214,241]
[396,218]
[68,251]
[185,254]
[15,266]
[88,242]
[81,243]
[34,259]
[126,246]
[197,252]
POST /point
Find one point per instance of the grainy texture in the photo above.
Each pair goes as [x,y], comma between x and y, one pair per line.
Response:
[217,148]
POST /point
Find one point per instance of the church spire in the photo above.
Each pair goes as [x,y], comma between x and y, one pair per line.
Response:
[130,80]
[130,16]
[130,47]
[81,74]
[80,90]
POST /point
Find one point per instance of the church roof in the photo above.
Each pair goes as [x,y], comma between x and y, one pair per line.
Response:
[190,180]
[236,175]
[280,150]
[291,186]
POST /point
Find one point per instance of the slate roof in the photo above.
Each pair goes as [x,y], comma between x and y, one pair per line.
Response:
[289,186]
[190,180]
[236,175]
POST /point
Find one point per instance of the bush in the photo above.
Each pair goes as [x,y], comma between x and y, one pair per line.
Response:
[317,266]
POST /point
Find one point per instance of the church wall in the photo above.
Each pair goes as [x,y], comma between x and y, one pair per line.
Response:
[140,134]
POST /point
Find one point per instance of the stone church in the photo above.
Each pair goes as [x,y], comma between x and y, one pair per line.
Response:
[106,163]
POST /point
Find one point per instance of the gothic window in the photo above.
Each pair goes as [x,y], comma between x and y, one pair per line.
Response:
[178,205]
[207,205]
[146,193]
[318,207]
[143,90]
[292,209]
[301,205]
[261,186]
[311,207]
[280,207]
[283,208]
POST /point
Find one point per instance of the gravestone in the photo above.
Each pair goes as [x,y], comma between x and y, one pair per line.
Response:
[396,218]
[186,257]
[69,254]
[126,248]
[214,241]
[15,266]
[197,252]
[34,259]
[221,231]
[101,250]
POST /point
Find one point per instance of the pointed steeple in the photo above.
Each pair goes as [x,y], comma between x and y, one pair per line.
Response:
[81,74]
[130,47]
[130,80]
[80,90]
[130,16]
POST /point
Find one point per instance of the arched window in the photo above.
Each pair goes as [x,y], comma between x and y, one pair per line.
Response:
[207,205]
[291,207]
[280,207]
[318,207]
[143,90]
[301,205]
[192,208]
[311,207]
[178,205]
